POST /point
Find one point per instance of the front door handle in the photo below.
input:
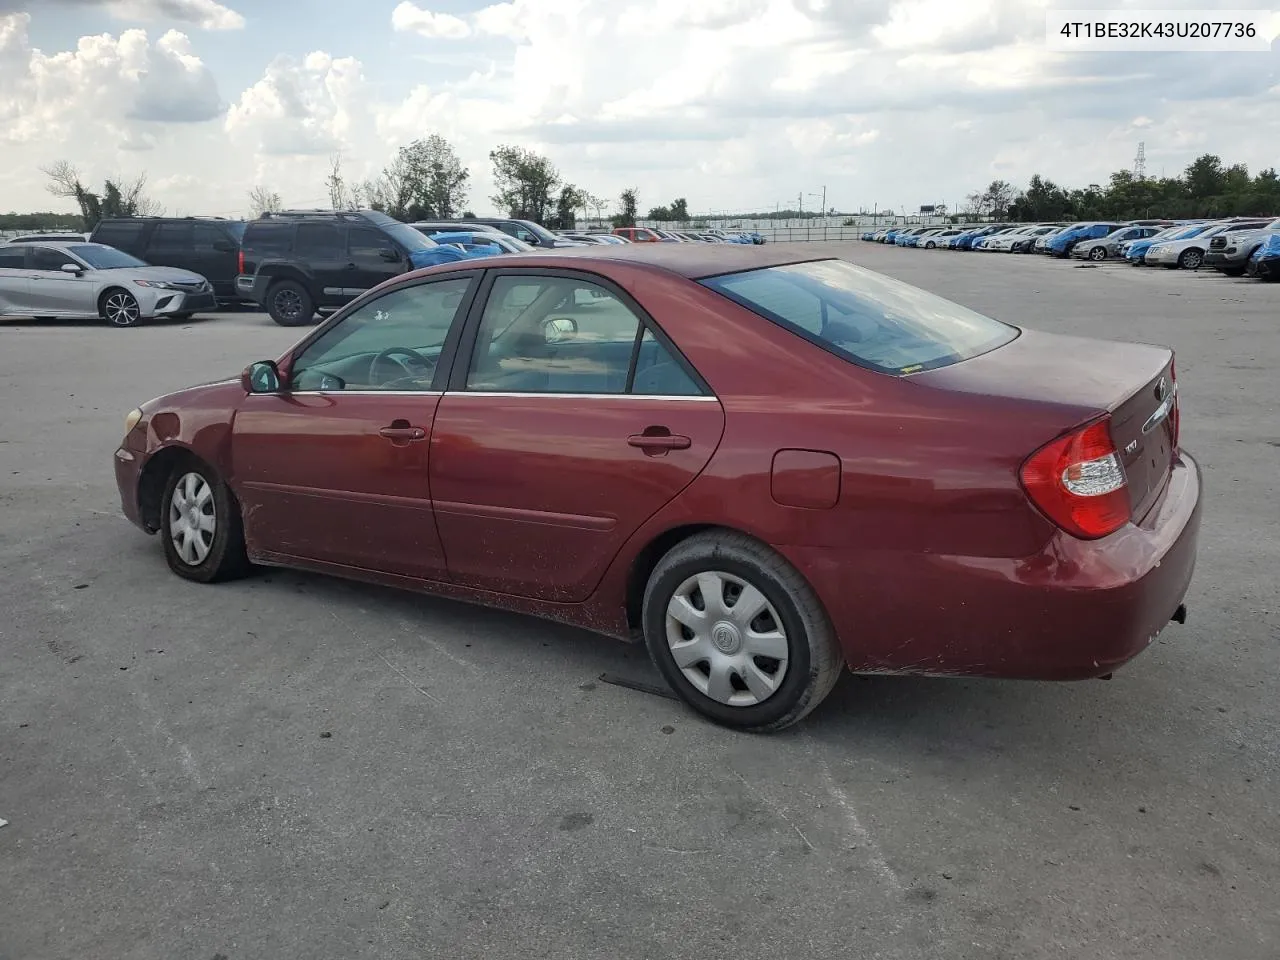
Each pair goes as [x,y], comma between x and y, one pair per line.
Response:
[351,266]
[402,433]
[659,441]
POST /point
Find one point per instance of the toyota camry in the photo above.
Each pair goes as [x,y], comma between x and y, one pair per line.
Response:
[766,465]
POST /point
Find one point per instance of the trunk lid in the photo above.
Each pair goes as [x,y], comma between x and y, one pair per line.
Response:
[1067,381]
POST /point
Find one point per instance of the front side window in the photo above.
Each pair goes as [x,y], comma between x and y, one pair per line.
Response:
[47,258]
[864,317]
[367,243]
[391,343]
[569,335]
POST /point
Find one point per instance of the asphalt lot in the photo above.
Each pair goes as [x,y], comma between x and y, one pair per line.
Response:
[292,766]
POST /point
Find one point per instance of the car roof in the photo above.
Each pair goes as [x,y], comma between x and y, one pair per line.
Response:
[692,261]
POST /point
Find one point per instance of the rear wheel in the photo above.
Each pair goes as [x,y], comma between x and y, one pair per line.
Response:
[1097,254]
[1191,259]
[119,308]
[738,632]
[201,526]
[289,304]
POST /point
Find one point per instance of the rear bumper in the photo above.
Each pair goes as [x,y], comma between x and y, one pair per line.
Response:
[1077,609]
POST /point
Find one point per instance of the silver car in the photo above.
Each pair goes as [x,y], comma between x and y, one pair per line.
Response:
[52,280]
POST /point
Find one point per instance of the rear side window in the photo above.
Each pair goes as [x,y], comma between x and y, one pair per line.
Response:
[864,317]
[265,237]
[318,240]
[12,258]
[125,234]
[167,236]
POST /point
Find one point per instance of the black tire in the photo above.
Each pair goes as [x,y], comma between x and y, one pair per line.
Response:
[181,316]
[814,658]
[1231,271]
[226,558]
[119,308]
[1190,259]
[289,304]
[1097,254]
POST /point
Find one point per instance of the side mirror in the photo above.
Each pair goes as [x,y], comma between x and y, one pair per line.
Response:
[560,329]
[389,254]
[72,268]
[261,377]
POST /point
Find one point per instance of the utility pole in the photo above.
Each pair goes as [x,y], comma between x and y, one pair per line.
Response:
[801,210]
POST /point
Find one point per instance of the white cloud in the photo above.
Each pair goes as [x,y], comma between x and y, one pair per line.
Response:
[300,108]
[106,82]
[730,103]
[408,17]
[205,14]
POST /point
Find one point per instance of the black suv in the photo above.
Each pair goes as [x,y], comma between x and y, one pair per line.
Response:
[209,246]
[531,233]
[297,262]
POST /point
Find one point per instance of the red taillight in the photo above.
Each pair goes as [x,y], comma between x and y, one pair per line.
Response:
[240,262]
[1079,483]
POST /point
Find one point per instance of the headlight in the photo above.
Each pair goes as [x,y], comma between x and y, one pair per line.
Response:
[1158,250]
[132,419]
[158,284]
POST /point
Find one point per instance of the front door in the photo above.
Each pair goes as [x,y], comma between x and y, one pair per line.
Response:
[55,293]
[569,421]
[368,265]
[335,467]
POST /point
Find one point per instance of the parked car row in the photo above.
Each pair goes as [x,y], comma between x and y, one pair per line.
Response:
[1235,246]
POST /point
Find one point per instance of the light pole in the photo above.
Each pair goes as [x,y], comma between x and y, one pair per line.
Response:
[823,211]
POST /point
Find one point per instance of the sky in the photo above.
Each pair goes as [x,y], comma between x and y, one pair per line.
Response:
[735,105]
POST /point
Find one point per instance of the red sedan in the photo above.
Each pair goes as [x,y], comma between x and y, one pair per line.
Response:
[768,466]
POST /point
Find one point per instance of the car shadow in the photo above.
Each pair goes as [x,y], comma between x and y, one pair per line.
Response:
[82,322]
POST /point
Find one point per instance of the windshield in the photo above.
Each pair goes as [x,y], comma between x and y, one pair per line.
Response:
[865,317]
[1189,232]
[105,258]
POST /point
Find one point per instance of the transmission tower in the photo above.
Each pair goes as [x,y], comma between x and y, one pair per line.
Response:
[1140,162]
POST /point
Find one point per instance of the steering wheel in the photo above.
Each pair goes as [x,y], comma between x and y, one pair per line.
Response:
[425,366]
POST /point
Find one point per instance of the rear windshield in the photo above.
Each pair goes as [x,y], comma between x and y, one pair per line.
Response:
[865,317]
[236,229]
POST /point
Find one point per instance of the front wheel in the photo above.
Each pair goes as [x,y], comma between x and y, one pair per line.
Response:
[120,308]
[1191,259]
[1098,254]
[289,304]
[200,525]
[738,633]
[929,246]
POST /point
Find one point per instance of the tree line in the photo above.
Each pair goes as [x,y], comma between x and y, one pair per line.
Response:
[1205,189]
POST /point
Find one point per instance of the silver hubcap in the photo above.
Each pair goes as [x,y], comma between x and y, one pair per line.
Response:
[1097,253]
[1192,259]
[192,521]
[122,309]
[727,639]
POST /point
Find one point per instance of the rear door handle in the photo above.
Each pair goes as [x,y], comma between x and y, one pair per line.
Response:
[403,433]
[659,441]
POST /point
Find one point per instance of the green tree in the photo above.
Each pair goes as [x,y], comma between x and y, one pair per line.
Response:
[119,198]
[525,182]
[680,209]
[630,202]
[1205,177]
[660,214]
[567,204]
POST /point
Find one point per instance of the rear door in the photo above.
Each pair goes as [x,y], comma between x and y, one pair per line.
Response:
[13,280]
[127,235]
[335,467]
[569,420]
[321,249]
[172,244]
